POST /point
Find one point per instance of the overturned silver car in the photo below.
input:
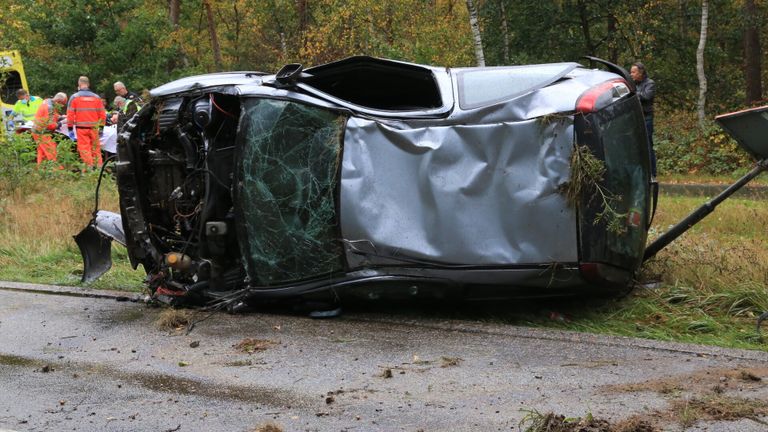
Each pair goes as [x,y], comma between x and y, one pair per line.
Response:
[378,177]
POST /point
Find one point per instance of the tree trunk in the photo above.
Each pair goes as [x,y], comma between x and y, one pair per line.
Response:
[174,11]
[474,23]
[504,32]
[301,12]
[584,18]
[700,62]
[752,53]
[303,16]
[174,14]
[613,46]
[214,37]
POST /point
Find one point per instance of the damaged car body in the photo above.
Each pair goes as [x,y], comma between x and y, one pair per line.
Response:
[381,178]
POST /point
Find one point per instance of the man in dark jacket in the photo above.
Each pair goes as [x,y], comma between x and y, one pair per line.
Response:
[646,90]
[121,90]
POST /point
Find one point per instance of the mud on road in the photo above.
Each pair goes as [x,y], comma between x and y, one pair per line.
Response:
[80,363]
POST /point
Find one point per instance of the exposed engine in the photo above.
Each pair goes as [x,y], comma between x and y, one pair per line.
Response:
[178,154]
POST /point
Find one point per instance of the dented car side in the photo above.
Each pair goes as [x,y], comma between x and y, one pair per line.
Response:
[386,178]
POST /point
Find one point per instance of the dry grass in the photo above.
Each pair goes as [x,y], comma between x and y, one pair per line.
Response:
[173,319]
[50,212]
[446,362]
[706,395]
[269,427]
[38,218]
[550,422]
[699,382]
[251,345]
[717,407]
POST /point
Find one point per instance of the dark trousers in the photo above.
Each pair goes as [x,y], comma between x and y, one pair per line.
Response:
[649,129]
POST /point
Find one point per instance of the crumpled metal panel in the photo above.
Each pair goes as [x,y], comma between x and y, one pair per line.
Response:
[223,82]
[560,97]
[461,194]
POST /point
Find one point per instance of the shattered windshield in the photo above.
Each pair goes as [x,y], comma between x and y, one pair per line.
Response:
[288,167]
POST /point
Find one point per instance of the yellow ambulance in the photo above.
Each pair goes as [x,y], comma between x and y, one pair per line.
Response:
[12,78]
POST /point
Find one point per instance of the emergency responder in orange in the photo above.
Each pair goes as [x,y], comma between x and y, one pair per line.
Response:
[87,115]
[46,121]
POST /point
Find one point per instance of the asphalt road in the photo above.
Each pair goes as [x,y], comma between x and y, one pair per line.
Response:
[97,364]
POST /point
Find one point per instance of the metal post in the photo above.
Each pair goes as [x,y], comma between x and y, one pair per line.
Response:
[701,212]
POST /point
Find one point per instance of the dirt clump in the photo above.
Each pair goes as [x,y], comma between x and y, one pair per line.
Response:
[268,427]
[550,422]
[446,362]
[699,382]
[634,424]
[173,319]
[251,345]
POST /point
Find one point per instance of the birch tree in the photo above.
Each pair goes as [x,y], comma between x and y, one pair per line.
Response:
[700,62]
[478,39]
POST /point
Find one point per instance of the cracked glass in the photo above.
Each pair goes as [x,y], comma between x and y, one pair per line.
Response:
[288,169]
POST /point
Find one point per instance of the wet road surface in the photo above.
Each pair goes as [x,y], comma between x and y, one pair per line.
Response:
[95,364]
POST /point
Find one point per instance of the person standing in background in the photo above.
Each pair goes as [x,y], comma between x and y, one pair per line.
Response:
[86,114]
[646,90]
[46,121]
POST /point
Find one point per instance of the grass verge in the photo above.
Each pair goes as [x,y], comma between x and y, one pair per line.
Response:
[713,279]
[40,213]
[713,282]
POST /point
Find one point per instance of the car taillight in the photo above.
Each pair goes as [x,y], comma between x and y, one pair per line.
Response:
[604,275]
[601,95]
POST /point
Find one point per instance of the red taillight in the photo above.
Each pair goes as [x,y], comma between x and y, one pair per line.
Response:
[604,275]
[601,95]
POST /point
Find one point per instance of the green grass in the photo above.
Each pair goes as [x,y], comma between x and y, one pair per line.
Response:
[714,279]
[711,179]
[714,282]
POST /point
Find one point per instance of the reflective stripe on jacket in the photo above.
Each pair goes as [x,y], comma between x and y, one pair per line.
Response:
[86,110]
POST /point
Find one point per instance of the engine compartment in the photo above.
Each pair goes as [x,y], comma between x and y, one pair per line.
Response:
[175,171]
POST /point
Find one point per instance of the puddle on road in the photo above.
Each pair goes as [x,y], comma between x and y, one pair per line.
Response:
[12,360]
[175,385]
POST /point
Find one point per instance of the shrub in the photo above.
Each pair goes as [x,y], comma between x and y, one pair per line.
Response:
[683,148]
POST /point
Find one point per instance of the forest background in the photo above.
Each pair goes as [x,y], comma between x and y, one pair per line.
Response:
[145,43]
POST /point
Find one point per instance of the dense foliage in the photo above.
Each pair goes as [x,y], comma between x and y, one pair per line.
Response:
[146,43]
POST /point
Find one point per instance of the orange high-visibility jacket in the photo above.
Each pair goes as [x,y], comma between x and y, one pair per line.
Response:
[46,117]
[85,110]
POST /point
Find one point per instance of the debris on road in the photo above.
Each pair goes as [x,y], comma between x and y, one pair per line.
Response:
[251,345]
[450,361]
[173,319]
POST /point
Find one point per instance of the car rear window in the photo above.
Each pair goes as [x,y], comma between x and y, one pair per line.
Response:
[485,86]
[617,136]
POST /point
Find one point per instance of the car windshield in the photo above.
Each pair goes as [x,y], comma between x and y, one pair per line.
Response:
[484,86]
[289,156]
